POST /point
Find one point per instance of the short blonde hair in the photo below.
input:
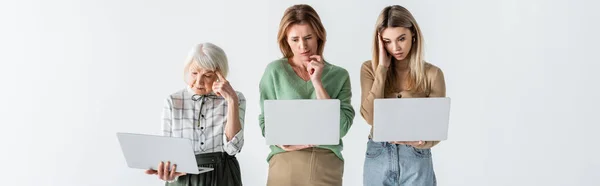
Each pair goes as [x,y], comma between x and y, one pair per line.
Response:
[207,56]
[300,14]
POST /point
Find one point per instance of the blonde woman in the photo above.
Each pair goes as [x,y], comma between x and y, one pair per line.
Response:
[398,70]
[302,73]
[210,113]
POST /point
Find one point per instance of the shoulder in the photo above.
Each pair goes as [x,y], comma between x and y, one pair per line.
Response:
[337,70]
[240,96]
[176,98]
[179,95]
[432,72]
[367,66]
[275,65]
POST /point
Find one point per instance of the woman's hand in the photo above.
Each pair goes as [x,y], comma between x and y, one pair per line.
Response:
[222,88]
[411,143]
[315,68]
[384,58]
[294,147]
[164,173]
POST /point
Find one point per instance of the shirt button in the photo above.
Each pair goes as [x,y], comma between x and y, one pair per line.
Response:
[201,128]
[201,143]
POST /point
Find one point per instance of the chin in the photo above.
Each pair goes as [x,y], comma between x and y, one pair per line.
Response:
[305,58]
[400,59]
[201,92]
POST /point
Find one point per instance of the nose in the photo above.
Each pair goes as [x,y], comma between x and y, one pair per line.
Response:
[396,47]
[199,79]
[303,44]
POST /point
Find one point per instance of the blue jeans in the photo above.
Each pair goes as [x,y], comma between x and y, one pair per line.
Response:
[388,164]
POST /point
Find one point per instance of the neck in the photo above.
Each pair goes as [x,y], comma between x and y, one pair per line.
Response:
[295,62]
[402,64]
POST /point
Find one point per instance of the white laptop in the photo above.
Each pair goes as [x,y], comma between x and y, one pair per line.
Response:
[144,151]
[302,122]
[411,119]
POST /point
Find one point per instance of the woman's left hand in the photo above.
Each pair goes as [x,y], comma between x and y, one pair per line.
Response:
[315,68]
[411,143]
[221,87]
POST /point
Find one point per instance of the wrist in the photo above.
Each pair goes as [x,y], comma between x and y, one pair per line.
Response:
[317,84]
[232,101]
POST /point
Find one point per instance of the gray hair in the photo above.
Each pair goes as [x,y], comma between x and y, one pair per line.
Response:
[207,56]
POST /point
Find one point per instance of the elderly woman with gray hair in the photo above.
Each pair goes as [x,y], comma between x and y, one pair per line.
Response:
[210,113]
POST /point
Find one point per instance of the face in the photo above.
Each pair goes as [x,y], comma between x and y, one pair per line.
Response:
[303,41]
[397,41]
[200,79]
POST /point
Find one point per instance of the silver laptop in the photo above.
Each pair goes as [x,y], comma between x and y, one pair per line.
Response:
[411,119]
[144,151]
[302,122]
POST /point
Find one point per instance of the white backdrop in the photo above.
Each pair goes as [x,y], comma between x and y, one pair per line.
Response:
[522,76]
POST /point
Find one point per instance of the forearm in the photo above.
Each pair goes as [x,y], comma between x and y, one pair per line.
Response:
[233,125]
[320,91]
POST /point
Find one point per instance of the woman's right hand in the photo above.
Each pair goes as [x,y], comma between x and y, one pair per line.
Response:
[164,173]
[384,58]
[294,147]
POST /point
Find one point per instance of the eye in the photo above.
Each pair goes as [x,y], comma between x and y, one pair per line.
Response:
[194,73]
[295,40]
[387,41]
[402,39]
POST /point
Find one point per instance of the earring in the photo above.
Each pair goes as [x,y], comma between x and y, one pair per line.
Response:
[414,39]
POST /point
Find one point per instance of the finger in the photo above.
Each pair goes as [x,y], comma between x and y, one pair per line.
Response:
[160,169]
[317,58]
[151,171]
[173,171]
[380,41]
[166,171]
[283,147]
[220,76]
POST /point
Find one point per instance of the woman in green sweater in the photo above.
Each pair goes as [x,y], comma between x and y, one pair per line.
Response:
[303,74]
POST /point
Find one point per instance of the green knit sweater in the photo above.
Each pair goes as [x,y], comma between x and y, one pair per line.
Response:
[279,81]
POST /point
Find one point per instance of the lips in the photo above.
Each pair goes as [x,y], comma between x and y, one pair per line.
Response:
[307,53]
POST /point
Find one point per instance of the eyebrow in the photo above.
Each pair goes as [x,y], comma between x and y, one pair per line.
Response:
[397,37]
[296,37]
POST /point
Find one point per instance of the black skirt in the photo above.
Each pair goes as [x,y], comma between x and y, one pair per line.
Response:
[226,171]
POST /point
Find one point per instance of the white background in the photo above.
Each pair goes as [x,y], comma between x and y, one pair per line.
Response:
[522,75]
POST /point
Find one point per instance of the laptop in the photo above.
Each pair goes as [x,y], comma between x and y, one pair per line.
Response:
[411,119]
[144,151]
[302,122]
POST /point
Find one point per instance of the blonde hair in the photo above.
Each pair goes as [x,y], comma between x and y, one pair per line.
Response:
[207,56]
[300,14]
[398,16]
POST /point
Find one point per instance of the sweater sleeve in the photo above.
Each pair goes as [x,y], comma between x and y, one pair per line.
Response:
[267,92]
[346,109]
[372,84]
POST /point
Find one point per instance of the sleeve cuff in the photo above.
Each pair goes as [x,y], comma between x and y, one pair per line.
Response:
[234,145]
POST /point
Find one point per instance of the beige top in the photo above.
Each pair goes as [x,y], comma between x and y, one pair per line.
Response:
[373,84]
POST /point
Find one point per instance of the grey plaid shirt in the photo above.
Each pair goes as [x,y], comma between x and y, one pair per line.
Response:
[202,119]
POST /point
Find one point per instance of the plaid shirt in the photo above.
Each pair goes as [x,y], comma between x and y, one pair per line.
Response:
[202,119]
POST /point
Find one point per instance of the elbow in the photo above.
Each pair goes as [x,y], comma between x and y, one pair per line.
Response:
[367,116]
